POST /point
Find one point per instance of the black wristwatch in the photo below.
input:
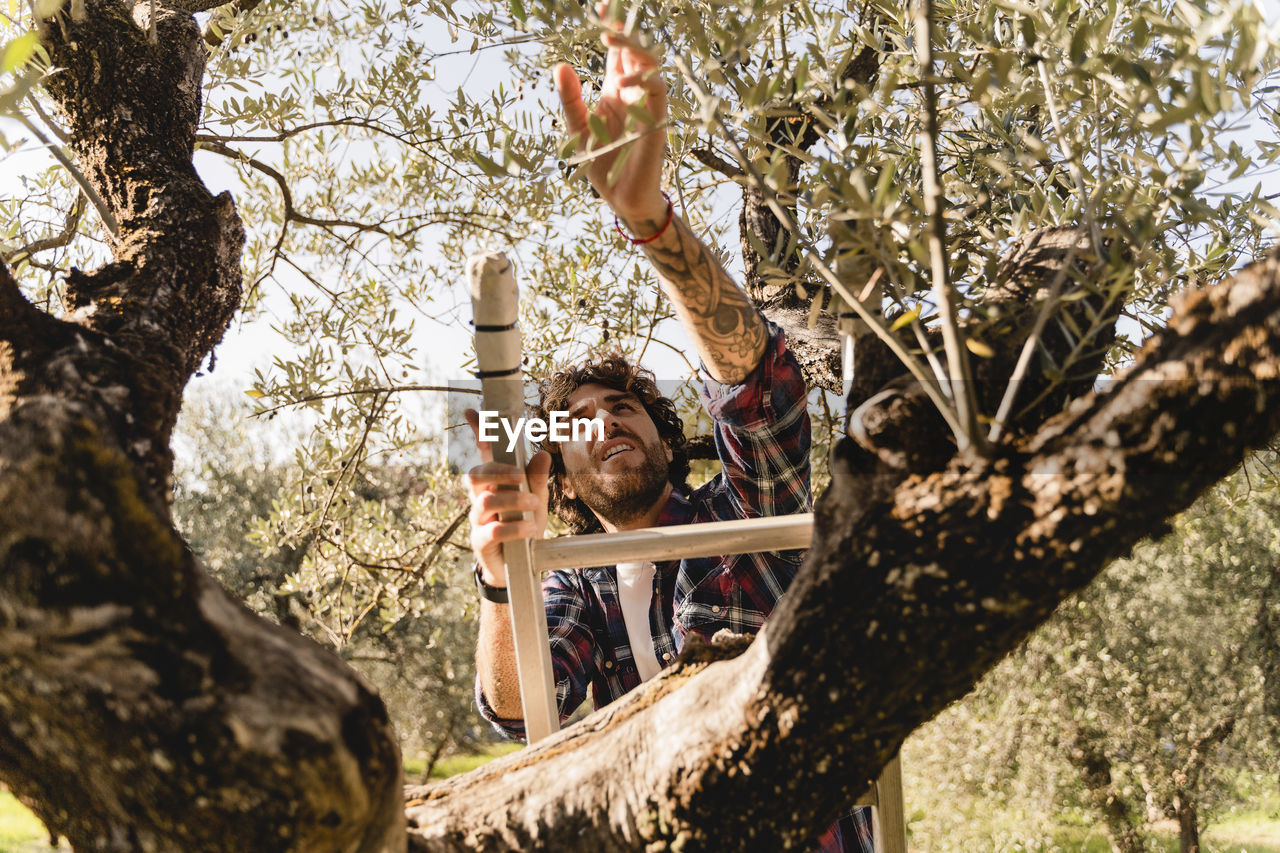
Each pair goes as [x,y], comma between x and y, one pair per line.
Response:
[496,594]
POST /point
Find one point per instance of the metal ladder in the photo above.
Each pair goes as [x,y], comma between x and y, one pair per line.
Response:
[495,302]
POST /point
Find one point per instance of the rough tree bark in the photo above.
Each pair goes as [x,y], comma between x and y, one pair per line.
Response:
[1268,639]
[141,708]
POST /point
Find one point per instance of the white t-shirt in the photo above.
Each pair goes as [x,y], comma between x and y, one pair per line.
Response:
[635,593]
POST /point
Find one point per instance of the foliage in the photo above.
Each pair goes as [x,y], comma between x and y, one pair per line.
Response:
[1139,120]
[376,582]
[461,762]
[385,158]
[1163,647]
[374,147]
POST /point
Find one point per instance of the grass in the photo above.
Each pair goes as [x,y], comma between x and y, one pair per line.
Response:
[1251,829]
[1246,830]
[1251,832]
[454,764]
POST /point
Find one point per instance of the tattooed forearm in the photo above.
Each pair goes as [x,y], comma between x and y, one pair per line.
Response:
[729,332]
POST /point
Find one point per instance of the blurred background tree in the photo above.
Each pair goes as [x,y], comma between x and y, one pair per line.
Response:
[380,581]
[1143,702]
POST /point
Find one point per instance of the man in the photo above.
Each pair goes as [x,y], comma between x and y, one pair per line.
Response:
[615,626]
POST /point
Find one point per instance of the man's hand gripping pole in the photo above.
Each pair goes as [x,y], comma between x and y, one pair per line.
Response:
[495,306]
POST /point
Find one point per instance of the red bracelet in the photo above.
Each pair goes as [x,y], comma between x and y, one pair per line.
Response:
[636,241]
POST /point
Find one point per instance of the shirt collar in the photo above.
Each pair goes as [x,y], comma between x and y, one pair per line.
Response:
[678,510]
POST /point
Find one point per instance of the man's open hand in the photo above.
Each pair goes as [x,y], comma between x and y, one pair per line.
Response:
[631,80]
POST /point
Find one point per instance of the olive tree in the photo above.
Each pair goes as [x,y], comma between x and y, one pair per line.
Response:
[1012,178]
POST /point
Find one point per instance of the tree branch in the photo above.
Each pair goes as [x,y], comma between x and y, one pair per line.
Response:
[1217,733]
[57,241]
[86,188]
[960,384]
[291,213]
[12,303]
[1268,638]
[953,571]
[118,654]
[132,106]
[233,8]
[194,6]
[357,392]
[349,121]
[714,161]
[1077,172]
[1085,750]
[58,133]
[29,338]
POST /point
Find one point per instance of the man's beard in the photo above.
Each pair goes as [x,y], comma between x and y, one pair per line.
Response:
[627,495]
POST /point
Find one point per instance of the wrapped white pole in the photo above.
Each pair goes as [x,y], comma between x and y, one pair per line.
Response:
[870,292]
[495,303]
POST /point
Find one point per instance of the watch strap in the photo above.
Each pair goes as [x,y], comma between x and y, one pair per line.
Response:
[496,594]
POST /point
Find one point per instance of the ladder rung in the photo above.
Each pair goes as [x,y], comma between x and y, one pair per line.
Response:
[710,539]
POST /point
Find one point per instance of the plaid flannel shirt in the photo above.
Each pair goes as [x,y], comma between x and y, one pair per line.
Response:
[762,436]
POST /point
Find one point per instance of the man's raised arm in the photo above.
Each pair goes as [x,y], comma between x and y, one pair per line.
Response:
[728,331]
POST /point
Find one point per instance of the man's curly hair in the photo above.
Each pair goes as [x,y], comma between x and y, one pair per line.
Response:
[616,372]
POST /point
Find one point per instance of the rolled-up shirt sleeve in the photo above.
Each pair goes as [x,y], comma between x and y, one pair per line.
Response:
[762,438]
[762,434]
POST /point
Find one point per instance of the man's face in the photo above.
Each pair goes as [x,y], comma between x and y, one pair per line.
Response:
[622,477]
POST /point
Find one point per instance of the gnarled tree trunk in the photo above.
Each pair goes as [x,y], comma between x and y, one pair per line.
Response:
[141,708]
[1187,784]
[1188,827]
